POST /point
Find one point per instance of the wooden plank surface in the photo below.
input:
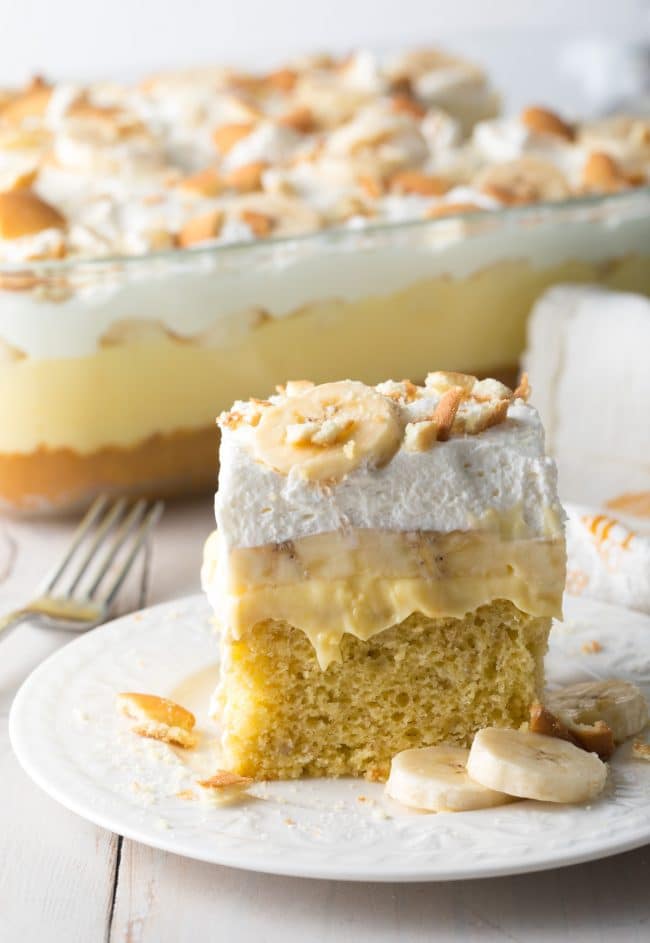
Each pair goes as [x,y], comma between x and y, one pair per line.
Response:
[171,900]
[57,871]
[62,879]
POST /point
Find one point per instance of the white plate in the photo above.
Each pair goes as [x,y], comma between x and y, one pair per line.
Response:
[68,737]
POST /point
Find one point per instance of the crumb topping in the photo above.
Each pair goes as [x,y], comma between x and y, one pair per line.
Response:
[324,432]
[641,750]
[543,121]
[132,169]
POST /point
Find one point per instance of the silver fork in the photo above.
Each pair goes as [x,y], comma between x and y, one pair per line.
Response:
[109,528]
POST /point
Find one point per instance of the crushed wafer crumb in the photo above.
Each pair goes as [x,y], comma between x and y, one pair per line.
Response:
[260,223]
[224,787]
[206,182]
[490,413]
[445,412]
[227,135]
[420,436]
[159,718]
[174,736]
[592,647]
[543,121]
[402,392]
[246,179]
[443,380]
[641,750]
[602,173]
[416,182]
[200,229]
[523,389]
[158,709]
[490,389]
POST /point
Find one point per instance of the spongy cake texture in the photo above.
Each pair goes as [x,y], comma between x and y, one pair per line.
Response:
[418,683]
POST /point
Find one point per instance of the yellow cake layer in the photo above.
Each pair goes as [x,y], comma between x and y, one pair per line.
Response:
[128,392]
[420,682]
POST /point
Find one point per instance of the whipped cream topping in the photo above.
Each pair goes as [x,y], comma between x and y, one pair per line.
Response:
[503,139]
[331,134]
[507,139]
[497,480]
[131,146]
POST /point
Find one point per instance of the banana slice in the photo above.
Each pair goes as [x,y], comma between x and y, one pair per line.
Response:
[522,181]
[619,704]
[533,766]
[286,216]
[435,779]
[328,431]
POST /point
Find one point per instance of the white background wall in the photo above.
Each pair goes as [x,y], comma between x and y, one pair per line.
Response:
[522,38]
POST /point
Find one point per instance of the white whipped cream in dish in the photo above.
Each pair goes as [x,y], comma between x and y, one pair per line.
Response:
[213,157]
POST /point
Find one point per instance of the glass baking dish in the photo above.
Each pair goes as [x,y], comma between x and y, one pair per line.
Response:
[112,371]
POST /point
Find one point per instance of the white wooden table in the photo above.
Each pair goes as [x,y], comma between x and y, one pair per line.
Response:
[63,879]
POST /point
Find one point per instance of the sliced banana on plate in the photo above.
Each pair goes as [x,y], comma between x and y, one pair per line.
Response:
[435,779]
[619,704]
[534,766]
[328,431]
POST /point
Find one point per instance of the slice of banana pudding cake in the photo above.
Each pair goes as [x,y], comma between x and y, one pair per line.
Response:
[386,564]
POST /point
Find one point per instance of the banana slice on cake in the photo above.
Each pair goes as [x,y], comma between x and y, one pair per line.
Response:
[534,766]
[329,430]
[619,704]
[435,779]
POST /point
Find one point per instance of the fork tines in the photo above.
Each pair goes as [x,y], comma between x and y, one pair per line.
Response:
[104,548]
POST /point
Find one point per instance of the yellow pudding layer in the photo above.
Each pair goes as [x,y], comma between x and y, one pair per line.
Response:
[128,392]
[327,587]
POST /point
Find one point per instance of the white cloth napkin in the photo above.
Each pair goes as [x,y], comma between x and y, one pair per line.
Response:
[587,360]
[607,559]
[587,357]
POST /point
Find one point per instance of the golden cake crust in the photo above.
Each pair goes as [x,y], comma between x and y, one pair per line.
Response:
[181,462]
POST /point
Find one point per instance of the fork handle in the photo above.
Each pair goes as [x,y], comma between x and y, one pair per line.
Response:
[11,620]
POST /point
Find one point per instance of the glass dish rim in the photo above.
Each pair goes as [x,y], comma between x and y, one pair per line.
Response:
[330,234]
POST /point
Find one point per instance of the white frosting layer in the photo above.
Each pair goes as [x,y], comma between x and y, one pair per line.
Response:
[466,483]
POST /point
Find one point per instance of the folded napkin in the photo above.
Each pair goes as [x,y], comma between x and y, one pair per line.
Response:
[587,361]
[606,559]
[587,357]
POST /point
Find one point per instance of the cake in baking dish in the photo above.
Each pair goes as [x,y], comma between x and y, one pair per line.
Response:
[385,567]
[172,244]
